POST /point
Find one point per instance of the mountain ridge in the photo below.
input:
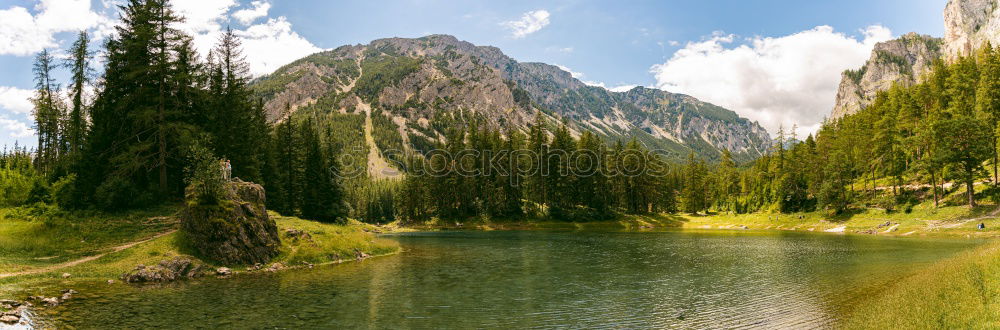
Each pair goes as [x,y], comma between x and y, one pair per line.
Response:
[419,82]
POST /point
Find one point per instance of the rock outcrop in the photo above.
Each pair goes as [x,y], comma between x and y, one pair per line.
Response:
[903,61]
[968,24]
[166,271]
[237,230]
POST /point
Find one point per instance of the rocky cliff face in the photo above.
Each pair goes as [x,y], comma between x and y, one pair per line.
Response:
[968,24]
[424,85]
[901,61]
[237,230]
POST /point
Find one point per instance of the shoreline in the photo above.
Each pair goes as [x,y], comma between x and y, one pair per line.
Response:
[869,222]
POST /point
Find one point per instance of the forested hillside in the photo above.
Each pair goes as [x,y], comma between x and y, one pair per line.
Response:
[902,148]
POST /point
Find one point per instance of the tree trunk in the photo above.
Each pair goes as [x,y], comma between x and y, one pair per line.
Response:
[995,156]
[970,191]
[161,130]
[934,189]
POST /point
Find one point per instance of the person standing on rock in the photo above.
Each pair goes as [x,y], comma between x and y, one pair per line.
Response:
[229,171]
[222,169]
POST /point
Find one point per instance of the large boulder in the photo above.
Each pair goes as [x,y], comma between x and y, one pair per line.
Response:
[236,229]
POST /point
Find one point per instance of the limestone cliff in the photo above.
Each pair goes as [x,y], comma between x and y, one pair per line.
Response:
[903,61]
[968,24]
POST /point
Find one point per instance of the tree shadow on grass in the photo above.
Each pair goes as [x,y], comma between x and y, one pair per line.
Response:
[844,216]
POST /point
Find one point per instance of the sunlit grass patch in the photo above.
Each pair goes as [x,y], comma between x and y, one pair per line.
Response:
[328,242]
[41,235]
[959,293]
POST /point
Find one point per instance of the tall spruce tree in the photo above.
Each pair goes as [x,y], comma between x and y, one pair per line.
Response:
[134,145]
[988,97]
[322,196]
[237,119]
[47,112]
[79,64]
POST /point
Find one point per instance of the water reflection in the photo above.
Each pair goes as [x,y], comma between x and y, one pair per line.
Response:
[537,279]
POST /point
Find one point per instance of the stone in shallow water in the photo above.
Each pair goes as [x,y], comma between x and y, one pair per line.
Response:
[223,271]
[165,271]
[7,318]
[51,301]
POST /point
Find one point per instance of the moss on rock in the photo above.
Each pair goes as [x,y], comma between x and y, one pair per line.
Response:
[236,230]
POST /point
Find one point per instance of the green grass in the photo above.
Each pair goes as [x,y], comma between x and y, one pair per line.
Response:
[958,293]
[40,235]
[921,221]
[329,243]
[24,237]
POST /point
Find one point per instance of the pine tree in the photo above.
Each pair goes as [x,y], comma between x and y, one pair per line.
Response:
[76,126]
[538,141]
[286,145]
[964,144]
[695,185]
[237,120]
[47,112]
[134,145]
[560,180]
[591,181]
[322,197]
[726,182]
[988,97]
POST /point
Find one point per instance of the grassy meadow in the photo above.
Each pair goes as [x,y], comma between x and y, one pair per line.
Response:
[39,244]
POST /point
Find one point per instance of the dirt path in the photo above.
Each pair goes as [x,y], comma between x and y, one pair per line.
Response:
[941,224]
[350,86]
[378,167]
[84,259]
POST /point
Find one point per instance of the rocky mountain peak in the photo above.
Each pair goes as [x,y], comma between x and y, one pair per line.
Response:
[419,84]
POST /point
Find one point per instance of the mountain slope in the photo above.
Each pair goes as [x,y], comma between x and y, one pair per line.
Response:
[419,88]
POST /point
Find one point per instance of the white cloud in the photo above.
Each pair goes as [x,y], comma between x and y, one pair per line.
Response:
[580,75]
[267,45]
[22,33]
[16,100]
[14,128]
[249,15]
[529,23]
[577,75]
[673,43]
[777,81]
[622,88]
[274,44]
[202,16]
[554,49]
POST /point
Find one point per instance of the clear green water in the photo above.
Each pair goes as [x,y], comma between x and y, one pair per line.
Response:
[537,279]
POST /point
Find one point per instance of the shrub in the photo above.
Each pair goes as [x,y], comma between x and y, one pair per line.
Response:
[204,177]
[63,193]
[116,193]
[39,192]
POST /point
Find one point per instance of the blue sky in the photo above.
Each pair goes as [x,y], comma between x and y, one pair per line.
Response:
[771,61]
